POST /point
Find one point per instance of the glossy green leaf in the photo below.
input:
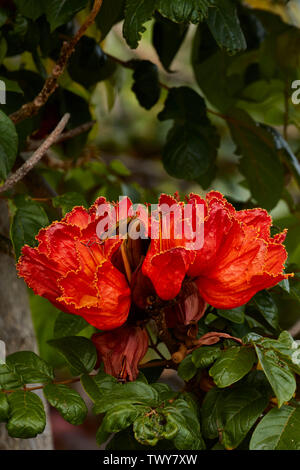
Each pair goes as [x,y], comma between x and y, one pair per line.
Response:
[281,378]
[241,409]
[233,364]
[267,307]
[29,218]
[30,367]
[191,11]
[67,324]
[27,416]
[9,379]
[68,403]
[205,356]
[236,315]
[187,368]
[224,25]
[79,352]
[278,430]
[59,12]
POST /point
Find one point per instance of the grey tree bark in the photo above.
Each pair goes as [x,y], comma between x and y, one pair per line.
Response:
[16,330]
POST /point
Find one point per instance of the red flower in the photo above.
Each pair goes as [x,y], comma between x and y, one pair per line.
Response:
[72,269]
[122,350]
[238,257]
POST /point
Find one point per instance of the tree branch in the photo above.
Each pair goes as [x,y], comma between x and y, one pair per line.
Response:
[30,109]
[36,157]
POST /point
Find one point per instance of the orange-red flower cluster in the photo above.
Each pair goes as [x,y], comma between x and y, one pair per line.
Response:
[105,281]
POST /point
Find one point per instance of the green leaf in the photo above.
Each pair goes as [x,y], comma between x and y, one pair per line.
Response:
[233,364]
[67,324]
[167,38]
[109,16]
[68,403]
[89,64]
[149,429]
[8,145]
[260,162]
[9,380]
[30,8]
[267,307]
[241,409]
[278,430]
[183,105]
[4,407]
[137,393]
[97,385]
[236,315]
[59,12]
[190,150]
[117,166]
[137,13]
[191,11]
[27,417]
[205,356]
[11,85]
[281,379]
[146,85]
[29,218]
[30,367]
[187,368]
[68,201]
[212,413]
[80,353]
[120,417]
[182,415]
[225,26]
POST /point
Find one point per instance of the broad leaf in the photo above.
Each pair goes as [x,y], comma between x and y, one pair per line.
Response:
[205,356]
[108,16]
[146,85]
[9,379]
[260,162]
[224,25]
[30,367]
[67,324]
[27,417]
[187,368]
[137,13]
[79,352]
[29,218]
[233,364]
[281,378]
[68,403]
[236,315]
[8,145]
[267,307]
[59,12]
[31,8]
[278,430]
[191,11]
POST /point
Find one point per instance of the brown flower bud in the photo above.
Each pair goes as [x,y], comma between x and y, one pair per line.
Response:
[121,350]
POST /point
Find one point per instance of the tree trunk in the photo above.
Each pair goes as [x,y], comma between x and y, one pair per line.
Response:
[16,330]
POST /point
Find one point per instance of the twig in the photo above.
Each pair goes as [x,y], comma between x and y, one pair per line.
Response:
[34,144]
[51,84]
[36,157]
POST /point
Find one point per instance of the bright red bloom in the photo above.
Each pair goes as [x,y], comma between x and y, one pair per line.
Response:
[72,269]
[238,257]
[122,350]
